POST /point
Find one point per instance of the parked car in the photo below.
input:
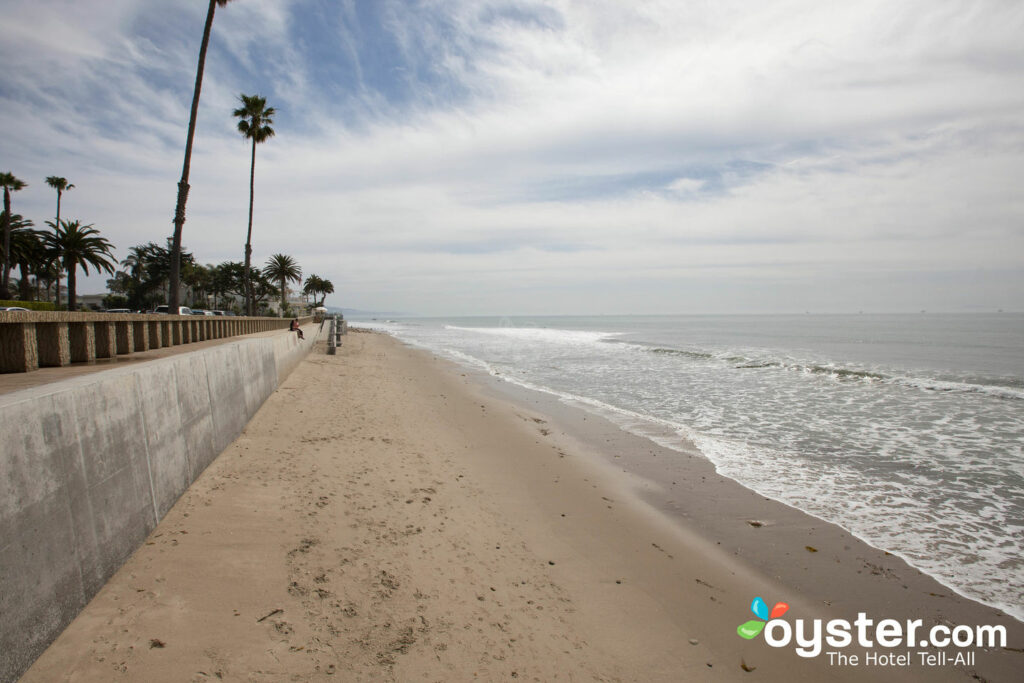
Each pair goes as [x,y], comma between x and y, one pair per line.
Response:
[118,310]
[201,311]
[13,308]
[182,310]
[215,312]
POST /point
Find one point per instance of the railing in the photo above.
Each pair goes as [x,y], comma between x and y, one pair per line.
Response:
[34,339]
[338,328]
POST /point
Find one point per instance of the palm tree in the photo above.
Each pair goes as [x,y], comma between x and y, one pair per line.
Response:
[311,288]
[283,269]
[325,288]
[254,125]
[79,245]
[10,184]
[46,269]
[179,210]
[318,285]
[61,185]
[26,251]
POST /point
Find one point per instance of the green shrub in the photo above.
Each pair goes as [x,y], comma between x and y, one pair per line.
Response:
[30,305]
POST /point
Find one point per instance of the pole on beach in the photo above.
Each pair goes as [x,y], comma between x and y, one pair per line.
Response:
[332,339]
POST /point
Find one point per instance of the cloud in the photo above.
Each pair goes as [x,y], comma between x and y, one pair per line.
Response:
[462,156]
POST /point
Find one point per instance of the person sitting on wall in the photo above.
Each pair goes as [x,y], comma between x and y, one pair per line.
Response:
[295,328]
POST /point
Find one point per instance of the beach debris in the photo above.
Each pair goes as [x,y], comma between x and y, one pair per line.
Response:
[267,616]
[811,548]
[755,523]
[156,642]
[694,641]
[743,665]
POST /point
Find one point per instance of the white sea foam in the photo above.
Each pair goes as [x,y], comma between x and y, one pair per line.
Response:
[538,334]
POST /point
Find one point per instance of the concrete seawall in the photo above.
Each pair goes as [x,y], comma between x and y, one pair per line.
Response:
[88,466]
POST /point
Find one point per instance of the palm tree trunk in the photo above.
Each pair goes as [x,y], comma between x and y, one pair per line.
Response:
[23,284]
[72,297]
[179,210]
[249,303]
[58,225]
[7,244]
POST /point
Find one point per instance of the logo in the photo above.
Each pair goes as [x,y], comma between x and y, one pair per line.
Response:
[886,642]
[759,607]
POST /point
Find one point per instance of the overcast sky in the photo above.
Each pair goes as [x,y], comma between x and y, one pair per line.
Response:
[469,156]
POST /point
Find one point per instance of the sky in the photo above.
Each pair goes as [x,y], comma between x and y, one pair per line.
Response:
[444,157]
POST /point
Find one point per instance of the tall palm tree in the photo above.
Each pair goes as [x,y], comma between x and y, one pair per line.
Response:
[10,184]
[61,185]
[283,269]
[256,118]
[79,245]
[179,210]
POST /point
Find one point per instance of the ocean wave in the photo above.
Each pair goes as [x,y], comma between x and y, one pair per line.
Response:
[1002,388]
[541,334]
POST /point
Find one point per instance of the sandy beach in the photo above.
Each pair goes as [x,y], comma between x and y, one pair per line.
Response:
[388,515]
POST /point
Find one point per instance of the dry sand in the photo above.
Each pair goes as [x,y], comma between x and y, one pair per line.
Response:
[387,517]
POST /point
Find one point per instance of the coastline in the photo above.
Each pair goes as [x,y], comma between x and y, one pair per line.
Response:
[420,520]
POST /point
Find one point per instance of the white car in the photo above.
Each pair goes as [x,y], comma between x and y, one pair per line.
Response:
[182,310]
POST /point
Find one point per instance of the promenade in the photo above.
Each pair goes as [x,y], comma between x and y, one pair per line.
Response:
[14,381]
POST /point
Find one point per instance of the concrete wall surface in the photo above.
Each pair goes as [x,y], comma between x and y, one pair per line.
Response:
[89,466]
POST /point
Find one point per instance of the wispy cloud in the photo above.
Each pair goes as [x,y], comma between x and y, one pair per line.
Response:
[471,156]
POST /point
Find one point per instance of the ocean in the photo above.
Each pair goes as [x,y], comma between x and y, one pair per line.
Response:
[906,430]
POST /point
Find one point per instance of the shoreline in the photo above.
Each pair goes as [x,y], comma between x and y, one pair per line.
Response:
[667,485]
[389,515]
[659,476]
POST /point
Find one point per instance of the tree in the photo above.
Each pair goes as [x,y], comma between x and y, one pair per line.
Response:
[220,283]
[283,269]
[311,288]
[145,275]
[262,288]
[199,279]
[325,288]
[47,269]
[61,185]
[179,210]
[231,275]
[27,251]
[318,285]
[10,184]
[79,245]
[256,118]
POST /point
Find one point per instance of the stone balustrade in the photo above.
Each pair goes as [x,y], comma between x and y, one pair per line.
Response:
[33,339]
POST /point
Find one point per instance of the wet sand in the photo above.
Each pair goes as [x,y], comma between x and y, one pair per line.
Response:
[390,516]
